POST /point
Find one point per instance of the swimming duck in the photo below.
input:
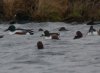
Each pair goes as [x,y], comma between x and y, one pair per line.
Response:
[40,29]
[92,31]
[49,35]
[62,29]
[12,30]
[40,45]
[78,35]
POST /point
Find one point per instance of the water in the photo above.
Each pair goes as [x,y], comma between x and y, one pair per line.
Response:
[19,54]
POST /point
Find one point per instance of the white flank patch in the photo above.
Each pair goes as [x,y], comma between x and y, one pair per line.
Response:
[27,33]
[94,33]
[47,37]
[11,33]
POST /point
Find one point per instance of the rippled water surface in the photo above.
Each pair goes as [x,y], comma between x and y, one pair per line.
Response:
[19,54]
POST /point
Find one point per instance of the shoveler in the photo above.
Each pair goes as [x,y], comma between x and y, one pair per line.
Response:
[12,30]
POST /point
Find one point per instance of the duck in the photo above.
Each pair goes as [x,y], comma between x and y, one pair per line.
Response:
[78,35]
[40,29]
[49,35]
[13,30]
[40,45]
[62,29]
[92,31]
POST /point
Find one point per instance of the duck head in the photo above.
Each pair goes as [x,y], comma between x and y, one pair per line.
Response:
[46,33]
[40,45]
[78,35]
[11,28]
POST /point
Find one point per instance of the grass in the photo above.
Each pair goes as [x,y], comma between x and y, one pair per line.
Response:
[53,10]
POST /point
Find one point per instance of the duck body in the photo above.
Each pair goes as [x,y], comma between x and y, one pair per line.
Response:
[93,33]
[55,36]
[62,29]
[49,35]
[12,30]
[21,32]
